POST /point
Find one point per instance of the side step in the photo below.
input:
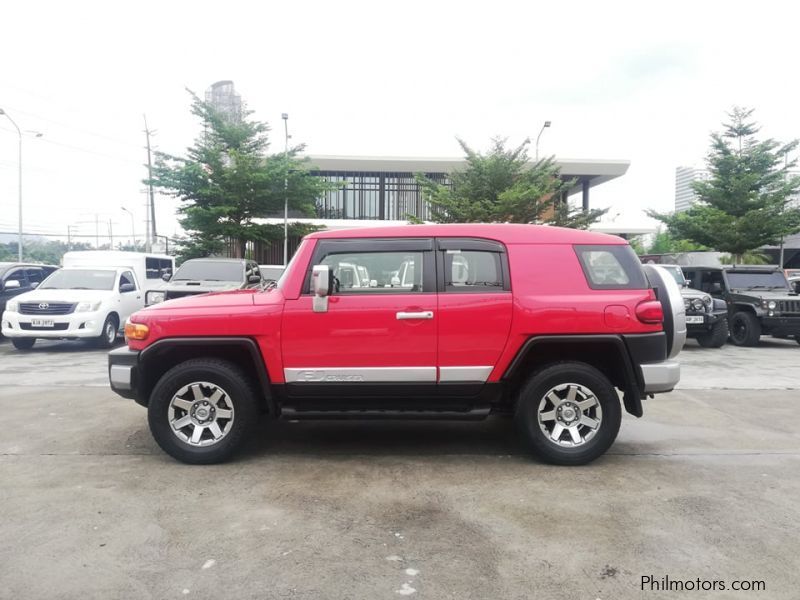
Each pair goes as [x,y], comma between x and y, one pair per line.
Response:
[473,414]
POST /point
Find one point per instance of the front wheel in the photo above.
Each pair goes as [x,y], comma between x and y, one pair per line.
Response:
[715,338]
[200,410]
[108,336]
[23,343]
[745,329]
[569,413]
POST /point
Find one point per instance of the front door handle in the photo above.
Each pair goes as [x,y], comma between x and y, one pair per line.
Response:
[425,314]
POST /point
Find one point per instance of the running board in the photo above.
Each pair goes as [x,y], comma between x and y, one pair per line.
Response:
[473,414]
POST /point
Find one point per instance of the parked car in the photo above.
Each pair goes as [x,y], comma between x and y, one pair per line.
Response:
[204,275]
[706,317]
[271,272]
[758,298]
[541,323]
[90,298]
[18,278]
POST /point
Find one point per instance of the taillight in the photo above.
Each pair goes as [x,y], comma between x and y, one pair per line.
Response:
[650,311]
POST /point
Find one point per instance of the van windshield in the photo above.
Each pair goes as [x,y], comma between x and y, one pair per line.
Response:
[80,279]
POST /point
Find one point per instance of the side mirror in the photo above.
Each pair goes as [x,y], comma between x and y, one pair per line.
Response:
[124,288]
[716,288]
[166,276]
[11,284]
[254,279]
[321,287]
[395,281]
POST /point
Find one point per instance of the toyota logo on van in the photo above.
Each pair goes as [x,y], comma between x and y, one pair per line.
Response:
[43,306]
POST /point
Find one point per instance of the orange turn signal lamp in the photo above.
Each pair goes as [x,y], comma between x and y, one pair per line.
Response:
[136,331]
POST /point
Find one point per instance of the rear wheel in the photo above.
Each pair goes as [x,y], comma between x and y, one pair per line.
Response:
[569,413]
[200,410]
[23,343]
[745,329]
[715,338]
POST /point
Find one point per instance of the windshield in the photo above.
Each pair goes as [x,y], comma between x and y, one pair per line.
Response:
[677,275]
[210,270]
[752,280]
[80,279]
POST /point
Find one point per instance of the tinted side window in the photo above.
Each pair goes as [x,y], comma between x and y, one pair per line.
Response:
[612,267]
[376,272]
[35,275]
[18,275]
[127,277]
[472,270]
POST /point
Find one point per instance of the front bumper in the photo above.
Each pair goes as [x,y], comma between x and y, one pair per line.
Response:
[781,326]
[701,322]
[74,325]
[661,376]
[123,367]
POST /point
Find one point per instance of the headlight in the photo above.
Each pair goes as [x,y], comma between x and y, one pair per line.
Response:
[697,304]
[687,304]
[772,304]
[12,306]
[87,306]
[707,300]
[155,297]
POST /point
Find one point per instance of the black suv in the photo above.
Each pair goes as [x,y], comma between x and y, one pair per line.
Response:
[203,275]
[18,278]
[706,317]
[759,300]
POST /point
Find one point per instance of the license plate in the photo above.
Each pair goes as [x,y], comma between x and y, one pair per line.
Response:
[694,320]
[42,323]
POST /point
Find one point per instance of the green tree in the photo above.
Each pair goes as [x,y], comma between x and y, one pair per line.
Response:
[743,206]
[665,243]
[502,186]
[227,180]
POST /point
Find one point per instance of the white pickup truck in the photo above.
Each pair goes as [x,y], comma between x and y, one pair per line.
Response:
[90,298]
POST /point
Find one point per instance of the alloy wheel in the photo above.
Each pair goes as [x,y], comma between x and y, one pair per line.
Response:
[200,414]
[569,415]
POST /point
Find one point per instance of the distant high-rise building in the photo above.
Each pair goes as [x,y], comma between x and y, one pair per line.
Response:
[684,178]
[223,97]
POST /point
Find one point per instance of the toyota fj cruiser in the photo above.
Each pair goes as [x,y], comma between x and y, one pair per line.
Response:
[542,323]
[759,300]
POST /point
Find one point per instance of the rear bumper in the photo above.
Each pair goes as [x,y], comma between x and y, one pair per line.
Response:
[123,366]
[661,376]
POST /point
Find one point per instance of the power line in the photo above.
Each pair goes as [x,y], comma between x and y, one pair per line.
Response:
[79,149]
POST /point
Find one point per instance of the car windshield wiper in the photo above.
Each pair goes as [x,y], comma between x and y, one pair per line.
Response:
[759,287]
[78,288]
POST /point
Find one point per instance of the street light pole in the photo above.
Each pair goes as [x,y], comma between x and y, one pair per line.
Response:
[285,117]
[19,133]
[541,131]
[133,227]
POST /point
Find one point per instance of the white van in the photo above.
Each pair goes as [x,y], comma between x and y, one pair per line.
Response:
[90,298]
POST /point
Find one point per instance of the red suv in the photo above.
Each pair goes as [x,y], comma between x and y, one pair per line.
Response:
[415,322]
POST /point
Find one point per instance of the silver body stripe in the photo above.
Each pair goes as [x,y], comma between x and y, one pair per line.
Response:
[361,375]
[448,374]
[386,374]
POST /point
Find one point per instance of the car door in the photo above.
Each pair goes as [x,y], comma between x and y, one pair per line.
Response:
[377,336]
[19,276]
[131,301]
[474,310]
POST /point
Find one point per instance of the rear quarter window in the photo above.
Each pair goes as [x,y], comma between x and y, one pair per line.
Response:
[611,267]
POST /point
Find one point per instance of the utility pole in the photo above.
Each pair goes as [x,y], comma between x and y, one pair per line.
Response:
[69,237]
[152,207]
[96,231]
[285,117]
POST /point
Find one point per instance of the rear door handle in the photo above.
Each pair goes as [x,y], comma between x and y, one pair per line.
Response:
[425,314]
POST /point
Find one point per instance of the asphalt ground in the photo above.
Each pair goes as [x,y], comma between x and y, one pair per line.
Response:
[703,487]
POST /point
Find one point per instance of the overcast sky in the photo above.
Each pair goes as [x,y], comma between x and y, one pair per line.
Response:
[641,81]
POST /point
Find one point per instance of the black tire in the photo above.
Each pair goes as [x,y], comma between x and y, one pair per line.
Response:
[585,378]
[745,329]
[109,335]
[240,398]
[23,343]
[715,338]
